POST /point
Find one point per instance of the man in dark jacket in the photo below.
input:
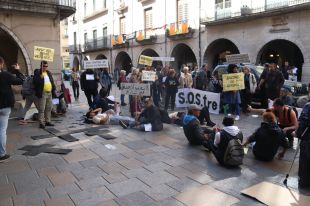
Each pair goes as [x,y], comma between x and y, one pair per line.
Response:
[268,138]
[44,89]
[6,102]
[192,129]
[171,84]
[89,84]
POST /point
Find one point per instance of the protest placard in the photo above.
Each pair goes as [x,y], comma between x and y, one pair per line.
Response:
[96,64]
[145,60]
[42,53]
[164,59]
[232,82]
[148,76]
[201,98]
[237,58]
[135,89]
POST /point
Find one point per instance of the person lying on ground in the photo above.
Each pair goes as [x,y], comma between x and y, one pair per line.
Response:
[109,117]
[267,139]
[195,134]
[148,120]
[286,116]
[105,102]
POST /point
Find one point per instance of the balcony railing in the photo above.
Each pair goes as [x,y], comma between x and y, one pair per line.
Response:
[222,13]
[178,28]
[97,44]
[146,35]
[74,49]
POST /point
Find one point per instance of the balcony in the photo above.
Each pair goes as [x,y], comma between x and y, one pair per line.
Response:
[122,8]
[95,14]
[64,8]
[75,49]
[145,37]
[245,13]
[119,41]
[179,30]
[102,43]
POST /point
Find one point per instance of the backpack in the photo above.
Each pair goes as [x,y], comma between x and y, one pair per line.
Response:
[234,152]
[289,113]
[27,88]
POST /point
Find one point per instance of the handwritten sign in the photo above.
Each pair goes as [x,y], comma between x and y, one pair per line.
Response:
[237,58]
[201,98]
[96,64]
[42,53]
[232,82]
[148,76]
[164,59]
[135,89]
[145,60]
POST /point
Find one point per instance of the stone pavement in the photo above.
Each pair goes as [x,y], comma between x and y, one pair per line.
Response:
[136,168]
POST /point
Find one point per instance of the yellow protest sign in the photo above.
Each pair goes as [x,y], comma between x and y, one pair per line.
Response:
[145,60]
[232,82]
[42,53]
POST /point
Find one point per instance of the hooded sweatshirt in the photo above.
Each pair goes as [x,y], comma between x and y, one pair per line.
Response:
[192,130]
[232,130]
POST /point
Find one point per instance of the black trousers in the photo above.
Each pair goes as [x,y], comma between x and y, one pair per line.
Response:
[90,95]
[246,98]
[304,164]
[288,133]
[205,116]
[170,97]
[76,89]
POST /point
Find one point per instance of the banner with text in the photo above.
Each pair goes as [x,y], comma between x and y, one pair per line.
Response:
[148,76]
[145,60]
[237,58]
[96,64]
[135,89]
[201,98]
[233,82]
[164,59]
[42,53]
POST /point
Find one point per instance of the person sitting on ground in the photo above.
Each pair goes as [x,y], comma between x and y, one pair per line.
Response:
[286,116]
[148,120]
[222,139]
[267,139]
[105,102]
[286,97]
[195,134]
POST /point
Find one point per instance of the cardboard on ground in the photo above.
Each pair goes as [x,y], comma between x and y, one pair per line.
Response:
[276,195]
[42,53]
[237,58]
[233,82]
[145,60]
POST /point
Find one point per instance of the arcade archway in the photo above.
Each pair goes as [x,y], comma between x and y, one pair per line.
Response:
[150,53]
[183,54]
[123,62]
[278,51]
[101,56]
[216,52]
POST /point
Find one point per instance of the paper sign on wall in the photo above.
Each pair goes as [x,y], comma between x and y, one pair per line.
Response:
[42,53]
[135,89]
[148,76]
[96,64]
[233,82]
[145,60]
[237,58]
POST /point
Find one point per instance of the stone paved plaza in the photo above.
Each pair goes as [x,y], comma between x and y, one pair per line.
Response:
[136,168]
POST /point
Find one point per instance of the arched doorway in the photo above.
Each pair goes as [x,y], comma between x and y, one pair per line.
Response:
[183,54]
[216,52]
[150,53]
[13,51]
[76,63]
[278,51]
[101,56]
[123,62]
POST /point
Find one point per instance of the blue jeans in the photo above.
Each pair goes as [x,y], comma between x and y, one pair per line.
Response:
[4,119]
[122,98]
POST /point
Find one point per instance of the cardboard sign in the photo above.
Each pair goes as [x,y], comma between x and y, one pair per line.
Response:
[42,53]
[164,59]
[201,98]
[145,60]
[135,89]
[233,82]
[237,58]
[148,76]
[96,64]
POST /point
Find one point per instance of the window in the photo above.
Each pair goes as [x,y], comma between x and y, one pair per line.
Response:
[182,10]
[105,36]
[94,34]
[148,19]
[85,38]
[122,25]
[85,9]
[94,5]
[104,3]
[74,40]
[222,4]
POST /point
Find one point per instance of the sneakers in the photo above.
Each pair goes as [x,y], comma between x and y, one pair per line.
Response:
[4,158]
[42,126]
[123,124]
[237,118]
[49,124]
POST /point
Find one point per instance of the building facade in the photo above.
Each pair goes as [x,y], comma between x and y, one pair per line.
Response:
[25,24]
[191,31]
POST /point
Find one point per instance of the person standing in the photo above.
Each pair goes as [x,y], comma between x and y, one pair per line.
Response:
[187,79]
[89,84]
[105,80]
[6,102]
[249,89]
[202,78]
[44,89]
[75,77]
[171,85]
[122,79]
[285,68]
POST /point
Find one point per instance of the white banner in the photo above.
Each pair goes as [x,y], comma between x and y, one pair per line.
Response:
[164,59]
[148,76]
[201,98]
[96,64]
[135,89]
[237,58]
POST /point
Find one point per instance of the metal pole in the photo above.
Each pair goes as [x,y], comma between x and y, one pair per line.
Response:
[199,35]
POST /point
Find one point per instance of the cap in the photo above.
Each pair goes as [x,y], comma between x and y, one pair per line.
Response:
[193,107]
